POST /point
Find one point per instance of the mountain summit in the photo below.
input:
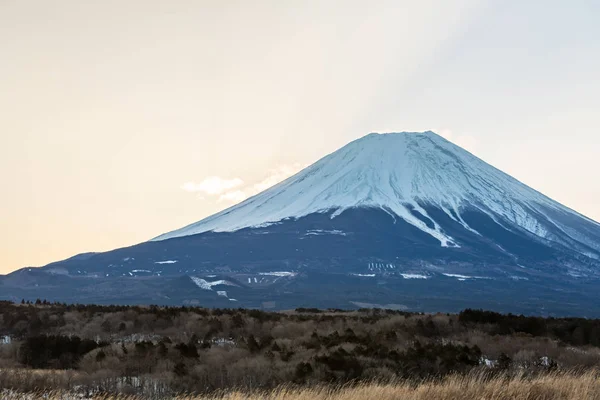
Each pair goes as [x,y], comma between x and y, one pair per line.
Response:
[404,174]
[407,221]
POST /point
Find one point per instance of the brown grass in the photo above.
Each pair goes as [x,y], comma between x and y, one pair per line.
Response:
[563,386]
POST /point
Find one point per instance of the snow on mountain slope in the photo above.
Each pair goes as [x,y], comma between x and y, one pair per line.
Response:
[404,174]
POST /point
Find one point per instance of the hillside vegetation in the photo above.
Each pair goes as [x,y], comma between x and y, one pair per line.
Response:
[159,351]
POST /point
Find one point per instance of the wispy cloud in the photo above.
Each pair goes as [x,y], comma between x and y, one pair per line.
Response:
[235,190]
[212,185]
[235,196]
[277,175]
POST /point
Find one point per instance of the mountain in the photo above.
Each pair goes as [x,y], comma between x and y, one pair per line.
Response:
[400,220]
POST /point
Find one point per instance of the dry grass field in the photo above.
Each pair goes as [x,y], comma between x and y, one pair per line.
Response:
[552,386]
[67,352]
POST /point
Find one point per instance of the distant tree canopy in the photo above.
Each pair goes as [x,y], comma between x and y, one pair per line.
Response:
[575,331]
[59,352]
[197,349]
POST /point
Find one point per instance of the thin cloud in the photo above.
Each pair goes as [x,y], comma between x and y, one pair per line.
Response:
[212,185]
[275,176]
[234,196]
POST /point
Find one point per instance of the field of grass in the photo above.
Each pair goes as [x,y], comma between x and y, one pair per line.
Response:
[552,386]
[156,352]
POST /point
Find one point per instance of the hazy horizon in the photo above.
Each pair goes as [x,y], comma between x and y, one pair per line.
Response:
[124,120]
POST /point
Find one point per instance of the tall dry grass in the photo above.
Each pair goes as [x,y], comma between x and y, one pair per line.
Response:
[555,386]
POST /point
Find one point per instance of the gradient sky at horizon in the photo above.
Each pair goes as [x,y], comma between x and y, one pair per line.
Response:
[121,120]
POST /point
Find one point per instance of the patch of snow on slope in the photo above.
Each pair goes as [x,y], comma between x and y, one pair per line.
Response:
[518,278]
[365,275]
[204,284]
[414,276]
[166,262]
[464,277]
[277,273]
[576,274]
[318,232]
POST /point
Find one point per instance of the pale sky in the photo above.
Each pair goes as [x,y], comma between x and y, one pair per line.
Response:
[123,119]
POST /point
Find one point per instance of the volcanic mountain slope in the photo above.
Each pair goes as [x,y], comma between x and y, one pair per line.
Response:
[403,220]
[404,174]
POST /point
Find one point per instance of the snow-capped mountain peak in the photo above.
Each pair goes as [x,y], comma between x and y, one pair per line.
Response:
[402,219]
[405,174]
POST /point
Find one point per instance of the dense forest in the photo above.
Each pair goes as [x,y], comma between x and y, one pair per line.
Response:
[169,350]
